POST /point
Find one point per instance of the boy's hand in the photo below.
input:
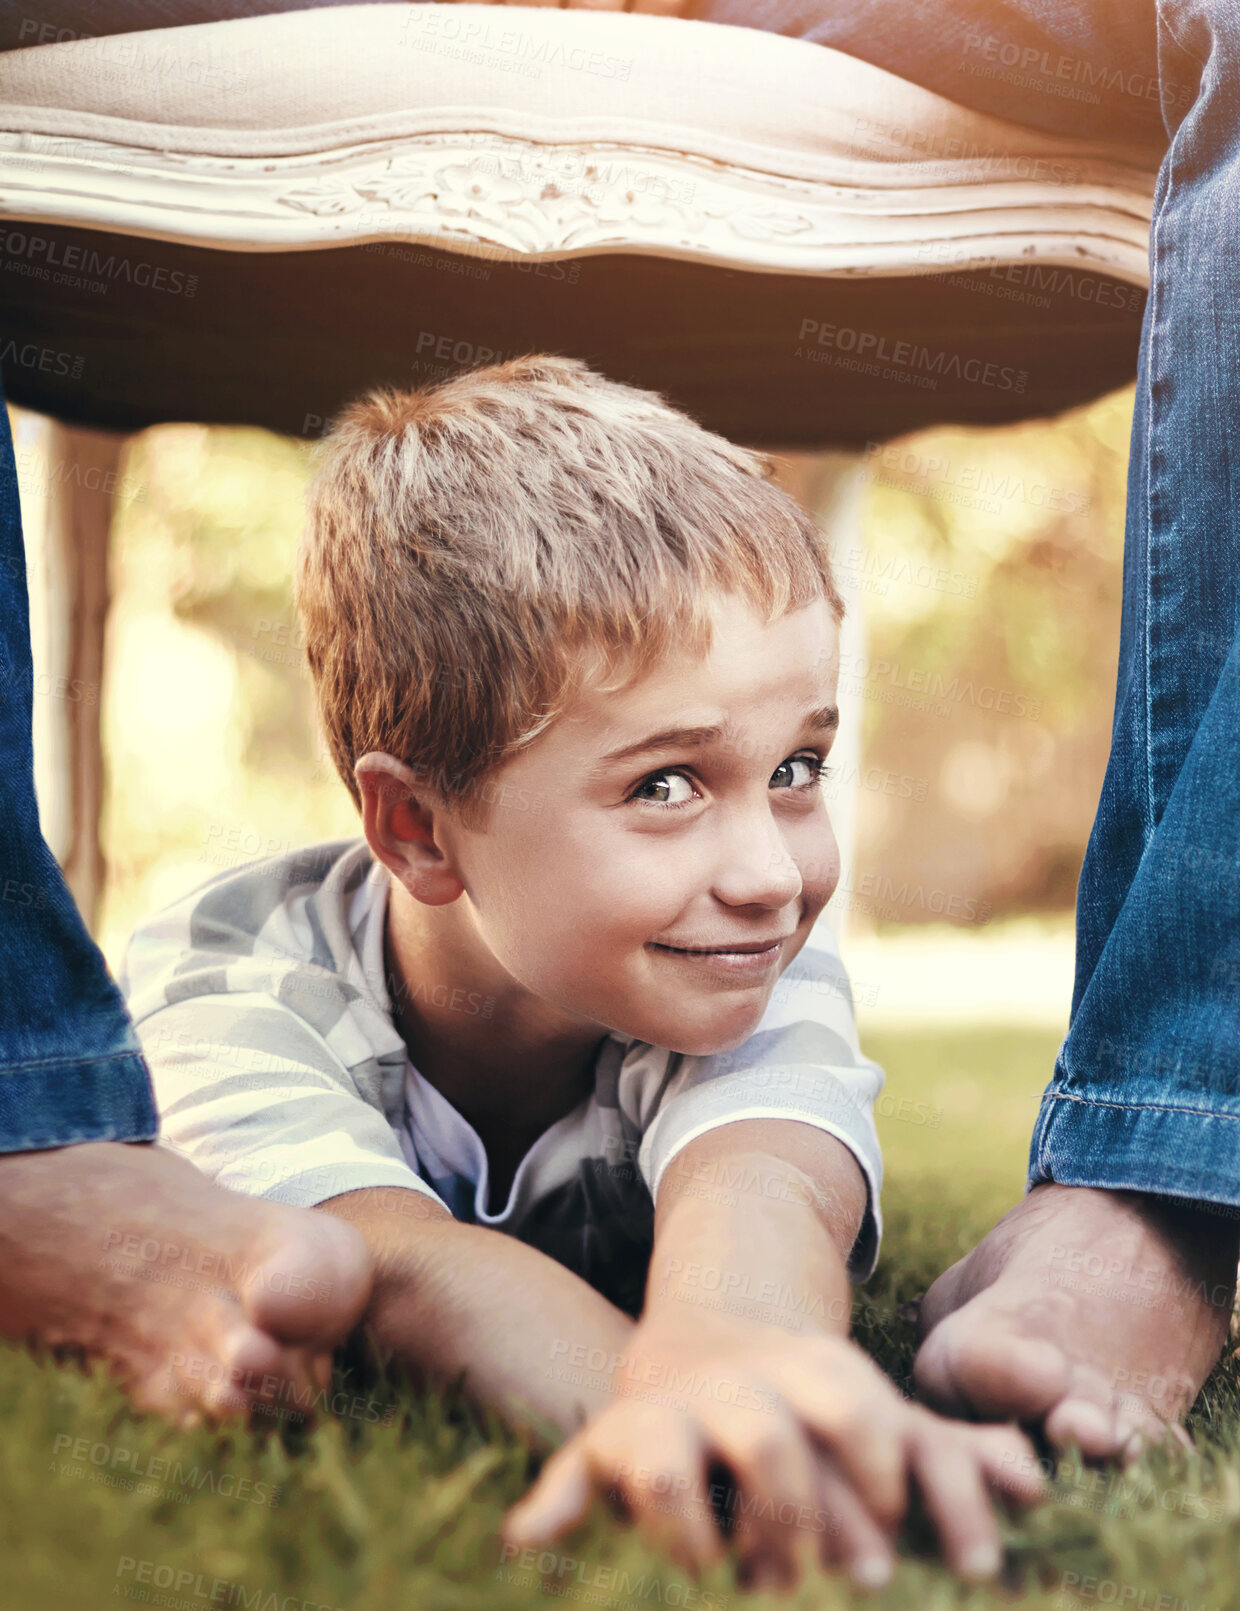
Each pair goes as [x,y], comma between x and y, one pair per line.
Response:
[819,1445]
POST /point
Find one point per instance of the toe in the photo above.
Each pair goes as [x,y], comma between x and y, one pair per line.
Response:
[313,1283]
[262,1379]
[1098,1430]
[979,1366]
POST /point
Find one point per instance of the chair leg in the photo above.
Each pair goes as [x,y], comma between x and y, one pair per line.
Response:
[68,479]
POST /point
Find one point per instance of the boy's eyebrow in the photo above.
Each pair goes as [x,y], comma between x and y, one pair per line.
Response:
[823,718]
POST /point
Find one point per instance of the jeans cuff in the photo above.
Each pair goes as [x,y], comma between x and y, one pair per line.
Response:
[62,1102]
[1177,1151]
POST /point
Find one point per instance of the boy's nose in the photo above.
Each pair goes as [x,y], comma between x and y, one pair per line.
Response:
[756,868]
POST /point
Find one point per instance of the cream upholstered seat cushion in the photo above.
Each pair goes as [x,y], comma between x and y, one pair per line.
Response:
[536,131]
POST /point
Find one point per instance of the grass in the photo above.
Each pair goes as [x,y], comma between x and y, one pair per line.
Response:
[397,1502]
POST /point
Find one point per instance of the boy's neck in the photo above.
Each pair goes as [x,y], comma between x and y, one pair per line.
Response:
[508,1062]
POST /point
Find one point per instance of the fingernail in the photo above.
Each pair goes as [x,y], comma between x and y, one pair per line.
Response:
[981,1561]
[873,1572]
[522,1528]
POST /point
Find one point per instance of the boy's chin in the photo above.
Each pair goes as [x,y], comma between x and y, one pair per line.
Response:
[707,1040]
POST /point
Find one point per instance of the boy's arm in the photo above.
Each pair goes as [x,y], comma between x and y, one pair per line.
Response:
[257,1100]
[802,1063]
[747,1319]
[771,1247]
[448,1298]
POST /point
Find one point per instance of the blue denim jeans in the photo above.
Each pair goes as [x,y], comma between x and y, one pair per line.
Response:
[1146,1089]
[70,1068]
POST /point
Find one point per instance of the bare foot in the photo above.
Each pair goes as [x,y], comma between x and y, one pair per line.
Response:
[204,1303]
[1097,1313]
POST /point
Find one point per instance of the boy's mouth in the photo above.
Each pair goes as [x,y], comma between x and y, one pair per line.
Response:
[747,958]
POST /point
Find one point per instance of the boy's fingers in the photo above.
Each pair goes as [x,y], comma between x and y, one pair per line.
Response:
[851,1537]
[864,1430]
[658,1469]
[955,1497]
[560,1498]
[1009,1461]
[775,1469]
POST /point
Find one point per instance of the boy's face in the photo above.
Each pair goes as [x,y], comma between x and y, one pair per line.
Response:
[601,877]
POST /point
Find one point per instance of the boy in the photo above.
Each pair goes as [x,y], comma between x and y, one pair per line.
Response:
[541,998]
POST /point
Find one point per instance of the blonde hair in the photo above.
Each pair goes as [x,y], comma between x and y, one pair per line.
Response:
[480,549]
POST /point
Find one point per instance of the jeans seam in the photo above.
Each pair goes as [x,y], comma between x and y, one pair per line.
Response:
[1136,1107]
[1162,17]
[66,1062]
[1152,378]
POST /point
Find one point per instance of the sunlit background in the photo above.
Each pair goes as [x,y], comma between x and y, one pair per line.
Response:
[983,566]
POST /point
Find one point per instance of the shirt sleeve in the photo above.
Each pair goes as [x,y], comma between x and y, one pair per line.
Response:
[258,1100]
[803,1062]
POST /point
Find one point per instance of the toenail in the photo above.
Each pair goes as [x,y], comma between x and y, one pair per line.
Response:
[1134,1447]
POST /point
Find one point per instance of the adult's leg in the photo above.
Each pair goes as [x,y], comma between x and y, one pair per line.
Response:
[59,21]
[1099,1304]
[1087,67]
[124,1252]
[1102,1300]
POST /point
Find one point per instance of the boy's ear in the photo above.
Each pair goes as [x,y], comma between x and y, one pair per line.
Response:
[397,814]
[382,773]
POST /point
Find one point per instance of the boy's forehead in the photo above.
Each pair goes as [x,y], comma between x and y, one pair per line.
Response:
[754,674]
[717,698]
[699,730]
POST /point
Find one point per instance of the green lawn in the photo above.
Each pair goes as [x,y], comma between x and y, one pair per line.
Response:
[397,1504]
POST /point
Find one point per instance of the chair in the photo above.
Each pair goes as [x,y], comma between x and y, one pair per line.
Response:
[251,221]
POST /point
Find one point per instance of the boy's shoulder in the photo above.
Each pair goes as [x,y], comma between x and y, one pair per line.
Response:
[306,914]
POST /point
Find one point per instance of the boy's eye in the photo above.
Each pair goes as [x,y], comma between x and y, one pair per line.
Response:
[813,765]
[813,769]
[660,780]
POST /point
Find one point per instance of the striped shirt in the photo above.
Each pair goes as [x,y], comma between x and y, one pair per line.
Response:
[263,1012]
